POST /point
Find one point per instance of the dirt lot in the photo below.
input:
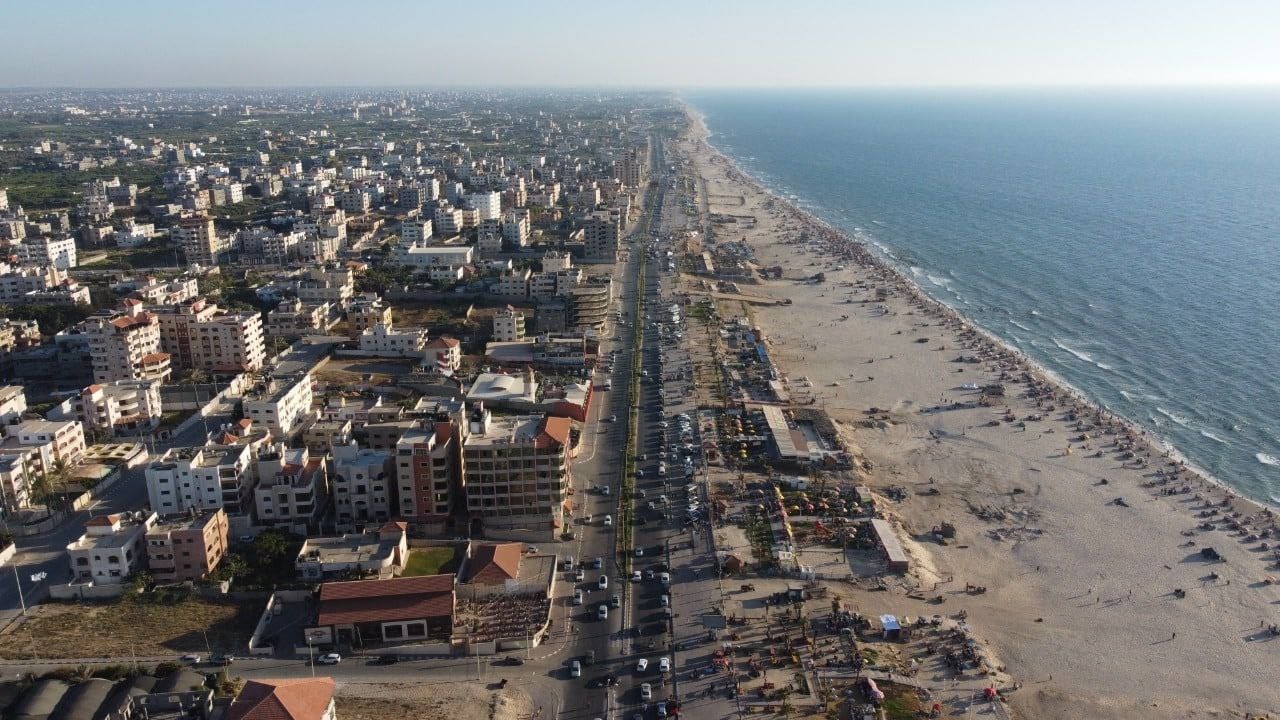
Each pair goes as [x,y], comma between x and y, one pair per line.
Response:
[129,628]
[456,701]
[354,373]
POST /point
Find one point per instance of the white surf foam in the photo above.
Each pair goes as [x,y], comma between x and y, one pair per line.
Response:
[1266,459]
[1184,422]
[1212,437]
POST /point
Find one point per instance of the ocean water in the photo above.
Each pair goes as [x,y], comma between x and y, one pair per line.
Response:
[1129,241]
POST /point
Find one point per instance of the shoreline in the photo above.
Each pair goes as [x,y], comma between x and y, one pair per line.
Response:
[1052,531]
[883,261]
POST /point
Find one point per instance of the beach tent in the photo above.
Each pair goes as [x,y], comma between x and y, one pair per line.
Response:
[892,628]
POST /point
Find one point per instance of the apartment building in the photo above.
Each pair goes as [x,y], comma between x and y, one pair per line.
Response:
[126,346]
[508,325]
[514,284]
[292,319]
[517,471]
[13,403]
[292,487]
[429,471]
[155,292]
[366,312]
[435,256]
[488,205]
[198,240]
[601,233]
[515,228]
[201,478]
[416,231]
[198,335]
[282,404]
[118,408]
[444,355]
[111,548]
[187,547]
[133,234]
[59,252]
[18,467]
[382,340]
[364,484]
[52,440]
[45,285]
[335,284]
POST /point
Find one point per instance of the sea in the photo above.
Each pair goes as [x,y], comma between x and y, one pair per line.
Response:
[1128,240]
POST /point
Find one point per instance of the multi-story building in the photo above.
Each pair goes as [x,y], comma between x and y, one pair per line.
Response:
[366,312]
[18,467]
[487,204]
[197,335]
[13,403]
[174,291]
[335,284]
[429,471]
[282,404]
[514,283]
[199,240]
[59,252]
[134,234]
[515,228]
[416,231]
[292,487]
[293,318]
[111,548]
[589,304]
[201,478]
[508,325]
[121,407]
[45,285]
[448,220]
[444,354]
[434,256]
[517,471]
[54,441]
[187,547]
[126,346]
[364,485]
[355,201]
[602,231]
[382,340]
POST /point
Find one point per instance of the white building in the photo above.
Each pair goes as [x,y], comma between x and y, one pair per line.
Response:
[122,407]
[416,231]
[508,325]
[204,478]
[281,404]
[58,252]
[13,403]
[487,204]
[197,334]
[111,548]
[427,256]
[364,484]
[292,487]
[383,340]
[127,346]
[134,234]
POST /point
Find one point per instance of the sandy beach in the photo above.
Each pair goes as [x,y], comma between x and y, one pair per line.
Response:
[1087,536]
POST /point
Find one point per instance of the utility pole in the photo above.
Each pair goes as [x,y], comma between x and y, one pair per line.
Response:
[18,581]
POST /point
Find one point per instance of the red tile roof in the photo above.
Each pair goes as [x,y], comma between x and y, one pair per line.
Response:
[554,430]
[293,699]
[494,564]
[361,601]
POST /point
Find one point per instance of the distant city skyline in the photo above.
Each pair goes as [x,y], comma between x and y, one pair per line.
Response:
[662,44]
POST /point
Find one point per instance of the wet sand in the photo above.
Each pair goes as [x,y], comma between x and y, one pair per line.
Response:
[1081,573]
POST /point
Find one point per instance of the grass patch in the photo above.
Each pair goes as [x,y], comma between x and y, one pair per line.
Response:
[130,627]
[900,702]
[430,561]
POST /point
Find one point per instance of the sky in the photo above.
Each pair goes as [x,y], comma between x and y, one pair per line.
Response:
[644,43]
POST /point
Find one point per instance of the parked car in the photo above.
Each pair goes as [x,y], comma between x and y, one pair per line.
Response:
[664,664]
[575,669]
[329,659]
[603,612]
[641,665]
[512,660]
[191,659]
[646,691]
[603,582]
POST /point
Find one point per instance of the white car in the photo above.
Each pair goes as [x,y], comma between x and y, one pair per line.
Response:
[664,664]
[329,659]
[646,691]
[575,669]
[642,665]
[578,597]
[603,611]
[603,582]
[664,578]
[579,576]
[635,576]
[608,521]
[639,552]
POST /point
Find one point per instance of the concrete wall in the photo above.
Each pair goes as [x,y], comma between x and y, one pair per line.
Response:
[7,554]
[256,647]
[86,591]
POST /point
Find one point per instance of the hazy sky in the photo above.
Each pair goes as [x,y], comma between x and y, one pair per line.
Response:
[680,43]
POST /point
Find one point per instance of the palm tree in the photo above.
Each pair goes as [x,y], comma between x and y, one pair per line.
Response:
[46,483]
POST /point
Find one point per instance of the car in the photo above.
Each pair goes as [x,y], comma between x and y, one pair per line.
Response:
[640,494]
[603,582]
[603,612]
[578,597]
[661,710]
[385,660]
[329,659]
[639,552]
[646,691]
[222,660]
[579,575]
[531,550]
[511,660]
[604,490]
[613,418]
[191,659]
[664,578]
[575,669]
[615,601]
[569,563]
[589,658]
[608,521]
[664,664]
[635,576]
[648,575]
[664,601]
[597,563]
[641,665]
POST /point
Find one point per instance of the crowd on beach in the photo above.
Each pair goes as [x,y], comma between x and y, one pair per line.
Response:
[1097,431]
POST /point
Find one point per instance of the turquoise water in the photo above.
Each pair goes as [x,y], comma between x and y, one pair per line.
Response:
[1127,241]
